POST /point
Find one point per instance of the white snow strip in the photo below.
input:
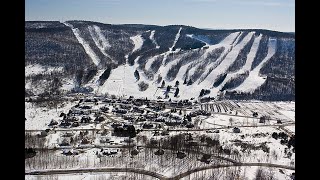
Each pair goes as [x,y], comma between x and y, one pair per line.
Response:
[199,38]
[150,61]
[122,82]
[181,73]
[250,57]
[226,63]
[99,40]
[94,81]
[254,80]
[224,43]
[137,41]
[176,39]
[227,43]
[38,69]
[85,45]
[153,40]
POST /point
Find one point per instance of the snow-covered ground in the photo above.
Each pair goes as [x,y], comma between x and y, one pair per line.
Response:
[137,41]
[35,69]
[40,117]
[289,114]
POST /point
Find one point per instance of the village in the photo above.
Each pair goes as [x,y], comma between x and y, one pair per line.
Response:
[214,132]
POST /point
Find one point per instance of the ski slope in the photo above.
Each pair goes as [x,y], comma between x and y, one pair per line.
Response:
[226,63]
[150,61]
[228,43]
[254,80]
[99,39]
[250,57]
[95,59]
[137,41]
[176,39]
[122,82]
[153,40]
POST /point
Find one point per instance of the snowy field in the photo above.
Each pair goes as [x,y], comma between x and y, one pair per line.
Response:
[40,117]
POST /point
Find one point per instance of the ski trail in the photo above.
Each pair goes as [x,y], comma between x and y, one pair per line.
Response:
[103,41]
[153,40]
[250,57]
[254,80]
[176,39]
[85,45]
[225,42]
[150,61]
[225,64]
[137,41]
[99,40]
[228,43]
[94,82]
[198,39]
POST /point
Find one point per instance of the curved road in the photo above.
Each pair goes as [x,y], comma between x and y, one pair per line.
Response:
[153,174]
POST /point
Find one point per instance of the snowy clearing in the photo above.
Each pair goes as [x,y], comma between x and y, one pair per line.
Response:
[137,41]
[35,69]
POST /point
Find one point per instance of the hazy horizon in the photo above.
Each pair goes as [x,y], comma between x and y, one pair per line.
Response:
[204,14]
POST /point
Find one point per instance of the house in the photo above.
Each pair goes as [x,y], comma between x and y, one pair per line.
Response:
[85,119]
[67,152]
[236,130]
[64,142]
[53,122]
[147,125]
[262,119]
[65,123]
[85,141]
[100,119]
[75,124]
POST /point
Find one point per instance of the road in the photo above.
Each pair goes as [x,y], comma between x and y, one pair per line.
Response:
[150,173]
[186,129]
[187,173]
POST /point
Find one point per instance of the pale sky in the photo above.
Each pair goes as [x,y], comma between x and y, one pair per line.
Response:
[276,15]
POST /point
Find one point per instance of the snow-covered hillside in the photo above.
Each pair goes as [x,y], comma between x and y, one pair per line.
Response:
[216,60]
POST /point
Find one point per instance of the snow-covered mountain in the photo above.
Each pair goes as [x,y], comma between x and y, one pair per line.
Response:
[142,60]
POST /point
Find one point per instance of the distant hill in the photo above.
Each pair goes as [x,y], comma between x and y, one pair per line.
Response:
[135,59]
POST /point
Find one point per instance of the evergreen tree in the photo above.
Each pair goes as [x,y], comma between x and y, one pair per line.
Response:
[176,93]
[136,74]
[163,84]
[201,92]
[177,84]
[185,81]
[168,88]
